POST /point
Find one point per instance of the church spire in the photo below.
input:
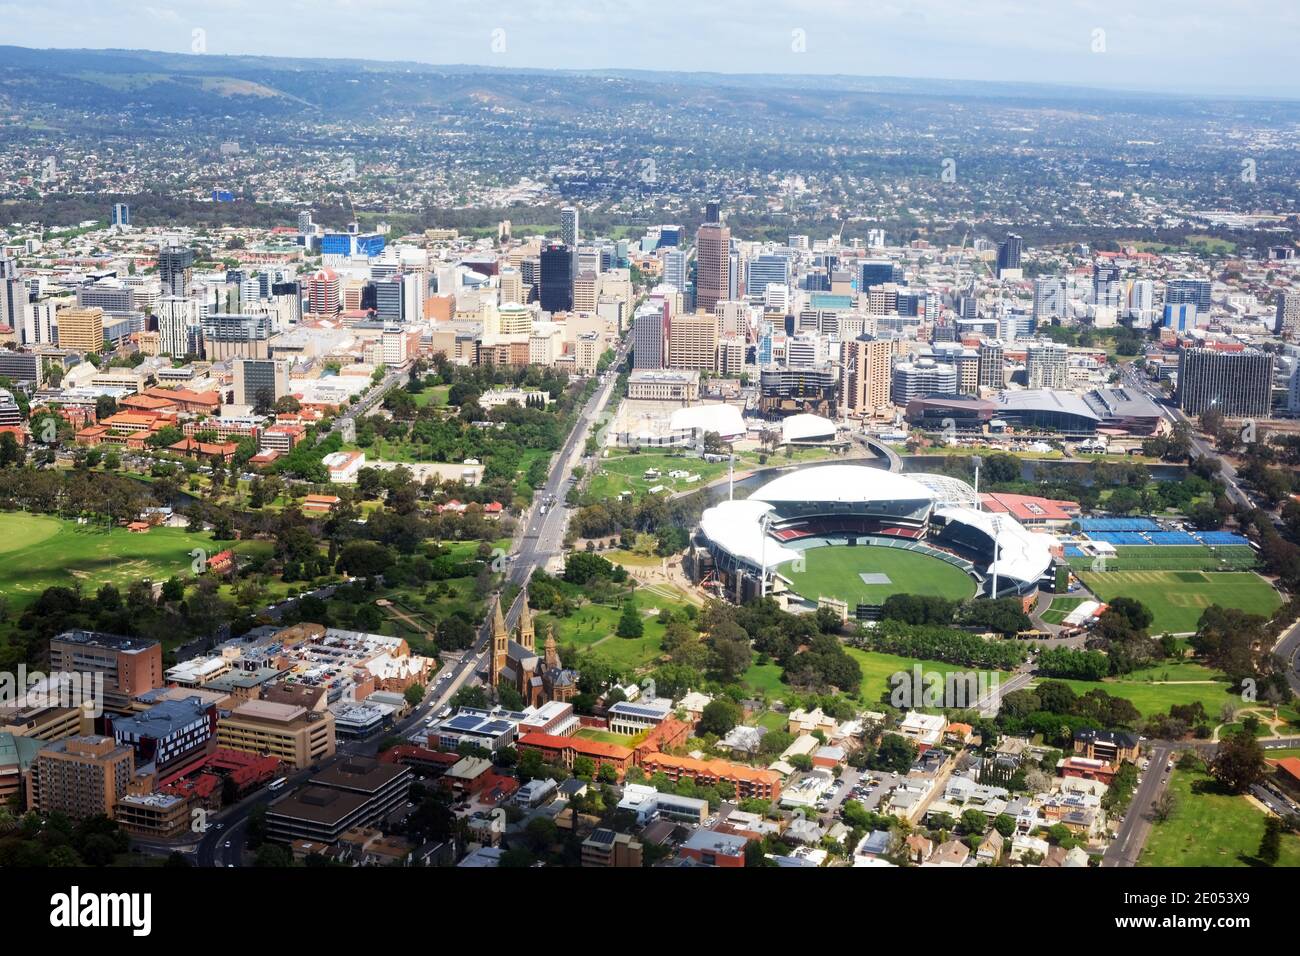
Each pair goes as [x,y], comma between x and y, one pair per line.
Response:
[527,636]
[552,653]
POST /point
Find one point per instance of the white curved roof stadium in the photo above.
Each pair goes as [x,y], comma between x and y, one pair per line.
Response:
[842,483]
[1023,555]
[948,490]
[805,427]
[723,419]
[737,528]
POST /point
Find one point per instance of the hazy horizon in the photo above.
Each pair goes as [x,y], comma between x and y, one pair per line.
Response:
[1194,47]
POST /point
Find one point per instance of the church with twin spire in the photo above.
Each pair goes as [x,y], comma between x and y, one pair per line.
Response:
[516,664]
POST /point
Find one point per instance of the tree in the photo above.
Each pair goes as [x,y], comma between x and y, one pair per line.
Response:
[974,821]
[414,694]
[1270,845]
[1239,762]
[1165,807]
[719,717]
[629,622]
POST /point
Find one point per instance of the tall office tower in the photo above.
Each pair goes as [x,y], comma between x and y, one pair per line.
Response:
[766,270]
[388,298]
[674,272]
[260,382]
[874,272]
[649,336]
[1049,299]
[693,341]
[1009,256]
[920,378]
[570,232]
[712,212]
[556,279]
[1236,383]
[712,265]
[121,214]
[81,329]
[514,319]
[227,336]
[14,300]
[179,330]
[1195,291]
[1288,314]
[734,283]
[1047,365]
[175,269]
[323,292]
[1105,284]
[1141,297]
[992,373]
[82,777]
[882,299]
[512,286]
[305,225]
[585,291]
[866,363]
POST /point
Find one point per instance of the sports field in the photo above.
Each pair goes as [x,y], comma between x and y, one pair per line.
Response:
[1189,558]
[1177,598]
[38,551]
[837,571]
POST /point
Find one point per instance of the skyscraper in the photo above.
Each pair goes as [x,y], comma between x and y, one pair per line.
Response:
[556,292]
[866,362]
[649,336]
[1195,291]
[570,231]
[1049,299]
[1009,254]
[14,306]
[121,214]
[1288,313]
[175,269]
[712,265]
[81,330]
[1046,365]
[712,212]
[1236,383]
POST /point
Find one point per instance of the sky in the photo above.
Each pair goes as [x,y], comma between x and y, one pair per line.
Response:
[1185,46]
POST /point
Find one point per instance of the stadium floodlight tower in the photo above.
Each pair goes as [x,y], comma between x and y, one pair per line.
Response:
[763,523]
[976,461]
[731,476]
[997,529]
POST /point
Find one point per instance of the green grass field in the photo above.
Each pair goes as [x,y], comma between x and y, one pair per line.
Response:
[1177,598]
[1160,558]
[833,572]
[592,628]
[1060,609]
[878,668]
[1151,698]
[1210,829]
[41,552]
[624,471]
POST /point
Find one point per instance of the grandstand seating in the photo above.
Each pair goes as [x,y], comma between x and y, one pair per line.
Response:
[1118,524]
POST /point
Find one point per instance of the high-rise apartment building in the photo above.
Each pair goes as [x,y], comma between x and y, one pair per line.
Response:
[992,373]
[1288,314]
[1047,365]
[866,364]
[81,777]
[81,329]
[1239,384]
[1009,251]
[175,269]
[693,341]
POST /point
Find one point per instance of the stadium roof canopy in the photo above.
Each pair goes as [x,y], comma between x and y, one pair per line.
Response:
[736,527]
[1023,555]
[805,427]
[723,419]
[842,483]
[948,490]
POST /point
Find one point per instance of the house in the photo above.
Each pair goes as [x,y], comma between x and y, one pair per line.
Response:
[1022,844]
[343,466]
[876,843]
[800,721]
[952,853]
[829,757]
[742,740]
[990,848]
[693,704]
[1112,746]
[925,730]
[320,504]
[918,847]
[957,734]
[212,451]
[714,848]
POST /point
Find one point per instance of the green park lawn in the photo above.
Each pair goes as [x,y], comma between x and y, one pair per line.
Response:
[1060,609]
[39,551]
[1210,829]
[834,572]
[1151,698]
[878,668]
[1178,598]
[592,628]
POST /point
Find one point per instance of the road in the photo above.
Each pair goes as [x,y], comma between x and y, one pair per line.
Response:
[1127,846]
[1133,379]
[538,538]
[1133,829]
